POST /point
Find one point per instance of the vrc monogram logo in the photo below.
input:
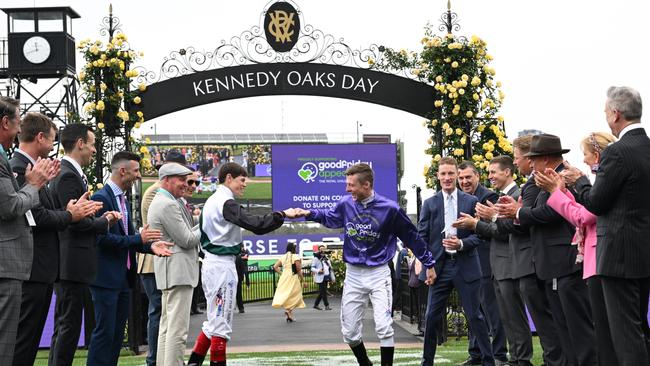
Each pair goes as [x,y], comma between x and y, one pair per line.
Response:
[308,172]
[282,26]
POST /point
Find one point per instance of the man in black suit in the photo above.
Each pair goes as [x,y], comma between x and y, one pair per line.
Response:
[37,136]
[531,287]
[555,258]
[78,253]
[468,180]
[508,296]
[619,197]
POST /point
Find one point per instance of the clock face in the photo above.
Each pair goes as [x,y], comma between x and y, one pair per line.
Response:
[36,50]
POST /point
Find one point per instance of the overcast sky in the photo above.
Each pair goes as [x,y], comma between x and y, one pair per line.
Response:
[555,59]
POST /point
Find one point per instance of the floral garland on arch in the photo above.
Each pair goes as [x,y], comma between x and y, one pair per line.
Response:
[110,103]
[464,120]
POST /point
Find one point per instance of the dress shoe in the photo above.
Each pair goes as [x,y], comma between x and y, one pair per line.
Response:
[470,361]
[241,311]
[317,307]
[328,308]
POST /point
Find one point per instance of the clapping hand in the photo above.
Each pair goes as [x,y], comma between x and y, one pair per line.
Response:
[550,181]
[149,235]
[507,207]
[570,174]
[486,212]
[465,221]
[82,207]
[161,248]
[42,172]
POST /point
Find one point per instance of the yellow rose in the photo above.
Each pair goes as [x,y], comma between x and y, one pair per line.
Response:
[139,113]
[449,132]
[100,105]
[454,64]
[476,81]
[445,126]
[514,176]
[461,91]
[469,114]
[459,152]
[137,100]
[463,83]
[434,122]
[102,86]
[489,155]
[438,103]
[464,77]
[498,84]
[448,60]
[463,140]
[100,125]
[500,118]
[439,78]
[489,83]
[82,76]
[437,157]
[475,96]
[99,186]
[137,125]
[455,112]
[459,131]
[429,141]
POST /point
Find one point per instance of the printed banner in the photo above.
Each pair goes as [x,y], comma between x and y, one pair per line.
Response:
[313,176]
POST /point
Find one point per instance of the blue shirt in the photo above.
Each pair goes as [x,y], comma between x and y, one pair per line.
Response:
[371,230]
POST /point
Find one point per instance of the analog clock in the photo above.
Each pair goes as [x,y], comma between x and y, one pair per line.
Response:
[36,49]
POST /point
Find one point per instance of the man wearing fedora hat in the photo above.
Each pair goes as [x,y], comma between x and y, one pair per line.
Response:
[554,257]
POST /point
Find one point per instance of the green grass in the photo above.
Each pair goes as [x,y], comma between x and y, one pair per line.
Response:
[253,191]
[451,353]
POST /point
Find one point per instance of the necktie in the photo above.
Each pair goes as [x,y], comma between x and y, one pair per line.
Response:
[3,153]
[85,180]
[125,225]
[450,217]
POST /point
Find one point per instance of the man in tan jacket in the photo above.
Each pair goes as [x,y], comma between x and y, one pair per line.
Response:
[177,275]
[145,266]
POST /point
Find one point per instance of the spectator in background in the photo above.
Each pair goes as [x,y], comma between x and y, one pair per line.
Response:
[323,274]
[241,262]
[288,295]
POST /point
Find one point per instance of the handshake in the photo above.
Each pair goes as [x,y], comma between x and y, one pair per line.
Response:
[295,213]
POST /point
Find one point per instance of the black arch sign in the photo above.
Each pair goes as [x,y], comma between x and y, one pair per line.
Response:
[286,79]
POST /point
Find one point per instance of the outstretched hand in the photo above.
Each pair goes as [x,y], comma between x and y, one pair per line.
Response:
[161,248]
[149,235]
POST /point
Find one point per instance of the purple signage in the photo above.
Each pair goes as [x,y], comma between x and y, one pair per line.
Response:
[274,245]
[313,176]
[262,170]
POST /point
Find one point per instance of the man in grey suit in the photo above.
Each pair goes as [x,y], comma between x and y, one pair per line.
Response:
[16,220]
[506,287]
[176,276]
[619,197]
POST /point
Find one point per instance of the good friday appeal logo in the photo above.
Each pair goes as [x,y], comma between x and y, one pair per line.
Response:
[326,169]
[362,228]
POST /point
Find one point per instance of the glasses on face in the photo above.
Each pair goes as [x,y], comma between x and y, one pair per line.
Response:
[192,182]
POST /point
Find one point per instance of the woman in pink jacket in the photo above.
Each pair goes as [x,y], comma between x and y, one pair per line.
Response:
[563,202]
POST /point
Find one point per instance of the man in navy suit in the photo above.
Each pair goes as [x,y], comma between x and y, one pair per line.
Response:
[116,266]
[456,261]
[468,180]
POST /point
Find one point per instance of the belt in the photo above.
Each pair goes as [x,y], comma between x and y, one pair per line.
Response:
[451,256]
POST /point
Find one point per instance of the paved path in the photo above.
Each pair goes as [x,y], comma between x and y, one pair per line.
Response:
[264,329]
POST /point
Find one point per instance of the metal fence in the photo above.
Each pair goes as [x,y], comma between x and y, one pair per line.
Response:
[264,282]
[414,306]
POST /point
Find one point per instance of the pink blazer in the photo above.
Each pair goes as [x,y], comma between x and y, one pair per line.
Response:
[565,204]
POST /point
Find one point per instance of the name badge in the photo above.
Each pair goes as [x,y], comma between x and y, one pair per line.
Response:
[30,218]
